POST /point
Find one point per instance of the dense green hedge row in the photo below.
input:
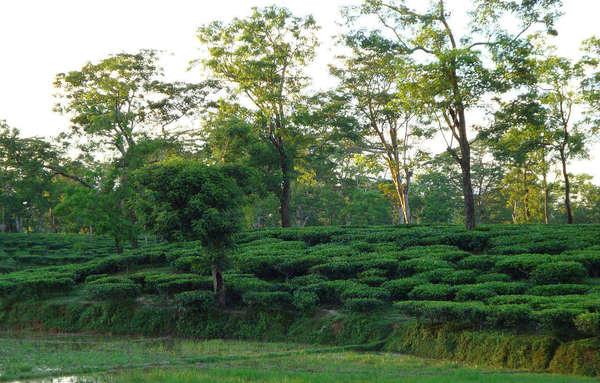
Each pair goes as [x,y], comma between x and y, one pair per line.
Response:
[498,276]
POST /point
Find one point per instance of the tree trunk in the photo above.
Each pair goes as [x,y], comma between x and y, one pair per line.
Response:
[52,221]
[118,245]
[546,198]
[568,212]
[285,195]
[218,285]
[467,186]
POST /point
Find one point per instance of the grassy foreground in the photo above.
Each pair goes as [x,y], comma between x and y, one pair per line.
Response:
[110,359]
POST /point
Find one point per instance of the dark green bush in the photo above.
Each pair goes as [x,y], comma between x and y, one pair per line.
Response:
[506,288]
[459,277]
[520,266]
[559,272]
[510,315]
[432,292]
[364,305]
[364,291]
[330,292]
[337,269]
[306,280]
[297,265]
[558,319]
[420,265]
[434,276]
[560,289]
[111,291]
[477,262]
[466,293]
[440,311]
[588,323]
[197,300]
[305,301]
[399,288]
[492,277]
[268,300]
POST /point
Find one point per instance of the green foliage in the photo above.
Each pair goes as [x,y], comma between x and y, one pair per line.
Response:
[113,291]
[399,288]
[558,272]
[195,201]
[560,289]
[473,293]
[268,300]
[588,323]
[432,292]
[196,300]
[363,305]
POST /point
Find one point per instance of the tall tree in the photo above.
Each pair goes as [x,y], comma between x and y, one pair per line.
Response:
[378,86]
[192,201]
[263,58]
[456,74]
[560,93]
[117,101]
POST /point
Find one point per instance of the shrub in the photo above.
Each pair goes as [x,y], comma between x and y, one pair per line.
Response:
[459,277]
[588,323]
[197,300]
[520,266]
[432,292]
[373,277]
[179,284]
[306,301]
[558,272]
[365,291]
[363,305]
[306,280]
[298,265]
[111,291]
[268,300]
[337,269]
[188,264]
[492,277]
[434,276]
[510,315]
[557,319]
[477,262]
[420,265]
[399,288]
[330,292]
[440,311]
[590,259]
[506,288]
[467,293]
[262,266]
[560,289]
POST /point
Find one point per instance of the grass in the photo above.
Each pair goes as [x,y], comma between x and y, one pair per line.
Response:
[166,360]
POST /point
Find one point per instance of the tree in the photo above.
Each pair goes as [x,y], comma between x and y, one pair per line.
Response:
[192,201]
[522,142]
[378,85]
[33,174]
[116,102]
[590,84]
[560,93]
[456,77]
[264,57]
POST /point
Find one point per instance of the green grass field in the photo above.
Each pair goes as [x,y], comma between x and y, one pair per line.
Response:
[94,358]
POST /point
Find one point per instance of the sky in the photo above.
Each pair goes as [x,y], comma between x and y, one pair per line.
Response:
[42,38]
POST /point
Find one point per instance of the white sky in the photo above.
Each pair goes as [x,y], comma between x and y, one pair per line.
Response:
[42,38]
